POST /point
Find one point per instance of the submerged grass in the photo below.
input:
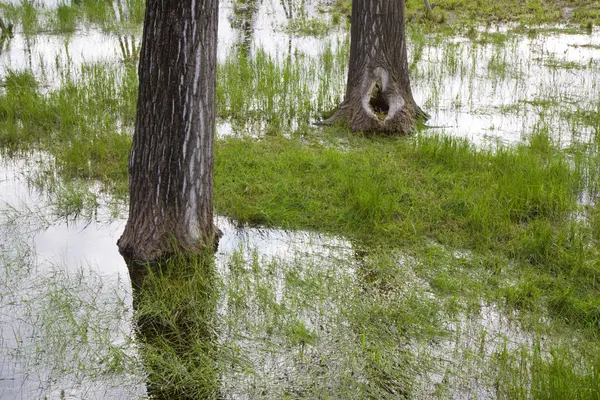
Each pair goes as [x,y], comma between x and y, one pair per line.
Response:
[261,93]
[175,311]
[316,324]
[65,329]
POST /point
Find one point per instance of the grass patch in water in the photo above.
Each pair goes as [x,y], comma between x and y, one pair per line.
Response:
[359,326]
[308,27]
[78,124]
[396,193]
[518,202]
[514,211]
[175,311]
[264,93]
[66,328]
[110,16]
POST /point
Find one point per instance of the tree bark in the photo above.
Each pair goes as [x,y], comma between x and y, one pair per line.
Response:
[171,161]
[378,93]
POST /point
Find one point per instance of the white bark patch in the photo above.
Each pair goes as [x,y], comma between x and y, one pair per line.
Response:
[382,75]
[396,103]
[366,97]
[157,197]
[191,216]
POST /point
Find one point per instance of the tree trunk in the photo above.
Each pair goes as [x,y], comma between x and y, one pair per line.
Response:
[378,94]
[171,161]
[428,6]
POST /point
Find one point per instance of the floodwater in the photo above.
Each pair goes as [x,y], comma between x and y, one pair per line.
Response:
[65,295]
[66,304]
[66,309]
[498,91]
[495,88]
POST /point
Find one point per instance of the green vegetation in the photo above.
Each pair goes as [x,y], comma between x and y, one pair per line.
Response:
[70,15]
[516,204]
[175,312]
[460,13]
[430,266]
[77,124]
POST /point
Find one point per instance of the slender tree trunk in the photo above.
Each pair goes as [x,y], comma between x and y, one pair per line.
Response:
[428,6]
[378,94]
[171,161]
[243,19]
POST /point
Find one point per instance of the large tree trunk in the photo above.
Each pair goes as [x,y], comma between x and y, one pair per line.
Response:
[171,161]
[378,94]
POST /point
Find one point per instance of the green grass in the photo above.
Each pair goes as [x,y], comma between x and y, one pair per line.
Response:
[69,15]
[458,14]
[82,125]
[553,377]
[259,93]
[175,312]
[518,203]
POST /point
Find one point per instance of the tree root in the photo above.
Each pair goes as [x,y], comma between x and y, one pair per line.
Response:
[404,122]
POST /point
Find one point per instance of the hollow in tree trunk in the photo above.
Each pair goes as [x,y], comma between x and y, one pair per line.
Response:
[171,161]
[378,93]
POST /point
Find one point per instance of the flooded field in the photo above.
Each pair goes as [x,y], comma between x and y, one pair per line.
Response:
[458,263]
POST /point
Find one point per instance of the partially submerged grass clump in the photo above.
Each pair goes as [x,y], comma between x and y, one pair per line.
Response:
[519,203]
[66,17]
[260,92]
[85,124]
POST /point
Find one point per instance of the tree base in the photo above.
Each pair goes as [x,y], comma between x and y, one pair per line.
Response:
[377,119]
[158,254]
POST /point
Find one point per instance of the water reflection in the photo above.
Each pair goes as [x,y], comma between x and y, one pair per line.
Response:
[502,89]
[242,20]
[65,303]
[50,57]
